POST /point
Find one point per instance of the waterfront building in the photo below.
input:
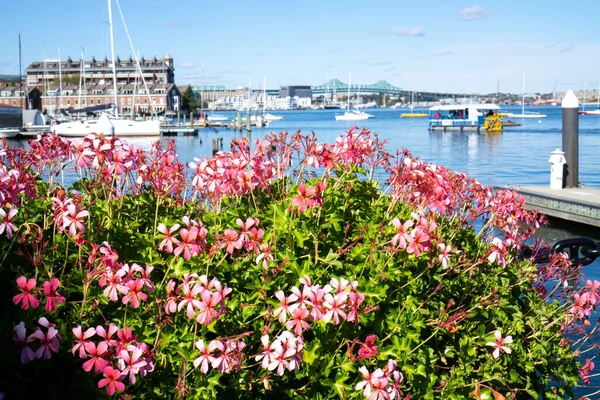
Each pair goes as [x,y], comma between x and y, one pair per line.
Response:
[296,91]
[57,85]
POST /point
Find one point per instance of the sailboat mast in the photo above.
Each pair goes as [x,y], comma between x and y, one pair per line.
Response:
[584,93]
[348,105]
[21,72]
[112,53]
[523,100]
[264,94]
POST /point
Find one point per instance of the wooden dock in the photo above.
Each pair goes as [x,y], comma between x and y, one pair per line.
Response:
[580,205]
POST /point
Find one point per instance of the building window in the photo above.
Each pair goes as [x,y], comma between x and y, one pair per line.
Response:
[68,102]
[92,101]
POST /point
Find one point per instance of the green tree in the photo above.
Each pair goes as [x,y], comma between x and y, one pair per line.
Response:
[189,100]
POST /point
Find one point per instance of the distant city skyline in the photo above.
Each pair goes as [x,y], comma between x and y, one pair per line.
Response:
[447,46]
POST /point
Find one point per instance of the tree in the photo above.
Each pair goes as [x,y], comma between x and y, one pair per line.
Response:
[189,100]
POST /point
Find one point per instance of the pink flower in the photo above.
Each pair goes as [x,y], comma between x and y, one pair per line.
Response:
[51,296]
[305,199]
[207,307]
[20,336]
[81,341]
[135,293]
[335,307]
[266,354]
[74,220]
[49,342]
[97,359]
[206,354]
[130,362]
[26,286]
[285,307]
[368,348]
[7,222]
[499,344]
[171,303]
[402,236]
[112,378]
[169,239]
[231,240]
[297,321]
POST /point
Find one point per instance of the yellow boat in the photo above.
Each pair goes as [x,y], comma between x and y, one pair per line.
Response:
[413,115]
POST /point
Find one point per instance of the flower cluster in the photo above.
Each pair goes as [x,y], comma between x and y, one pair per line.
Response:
[585,301]
[338,301]
[234,173]
[128,280]
[229,357]
[28,290]
[382,384]
[44,343]
[69,215]
[204,300]
[417,239]
[117,356]
[285,352]
[191,241]
[309,197]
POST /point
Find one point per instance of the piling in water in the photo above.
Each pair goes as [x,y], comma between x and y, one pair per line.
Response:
[570,138]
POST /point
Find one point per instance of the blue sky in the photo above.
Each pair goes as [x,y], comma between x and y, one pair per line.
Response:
[437,45]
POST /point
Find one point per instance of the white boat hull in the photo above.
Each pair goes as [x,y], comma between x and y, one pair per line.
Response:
[352,117]
[108,126]
[532,116]
[216,118]
[593,112]
[270,117]
[8,132]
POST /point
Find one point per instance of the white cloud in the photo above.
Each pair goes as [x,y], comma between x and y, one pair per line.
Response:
[567,48]
[187,65]
[180,23]
[400,31]
[472,13]
[443,53]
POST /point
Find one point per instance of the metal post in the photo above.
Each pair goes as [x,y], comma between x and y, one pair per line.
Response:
[570,138]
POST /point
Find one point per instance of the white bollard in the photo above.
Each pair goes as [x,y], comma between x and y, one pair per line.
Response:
[557,168]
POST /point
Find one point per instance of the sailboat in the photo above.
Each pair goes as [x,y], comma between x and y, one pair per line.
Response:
[413,114]
[597,110]
[524,114]
[593,112]
[352,115]
[108,124]
[266,115]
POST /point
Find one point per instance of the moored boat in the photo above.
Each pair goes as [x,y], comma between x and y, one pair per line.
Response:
[11,120]
[465,117]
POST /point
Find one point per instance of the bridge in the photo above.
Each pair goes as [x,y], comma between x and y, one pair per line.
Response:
[381,87]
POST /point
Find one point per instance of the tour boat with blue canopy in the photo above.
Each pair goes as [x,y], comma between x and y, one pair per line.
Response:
[465,117]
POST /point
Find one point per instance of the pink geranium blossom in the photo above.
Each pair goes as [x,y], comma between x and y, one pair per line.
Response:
[97,354]
[49,342]
[6,222]
[26,287]
[499,344]
[52,297]
[20,336]
[112,378]
[81,340]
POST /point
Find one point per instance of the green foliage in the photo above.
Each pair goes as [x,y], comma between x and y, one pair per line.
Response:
[433,321]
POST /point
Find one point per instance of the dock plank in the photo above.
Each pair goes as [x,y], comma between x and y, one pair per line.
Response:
[580,205]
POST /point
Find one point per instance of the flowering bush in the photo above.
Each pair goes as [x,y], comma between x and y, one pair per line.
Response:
[281,269]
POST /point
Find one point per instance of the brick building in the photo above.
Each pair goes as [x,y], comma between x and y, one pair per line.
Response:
[57,85]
